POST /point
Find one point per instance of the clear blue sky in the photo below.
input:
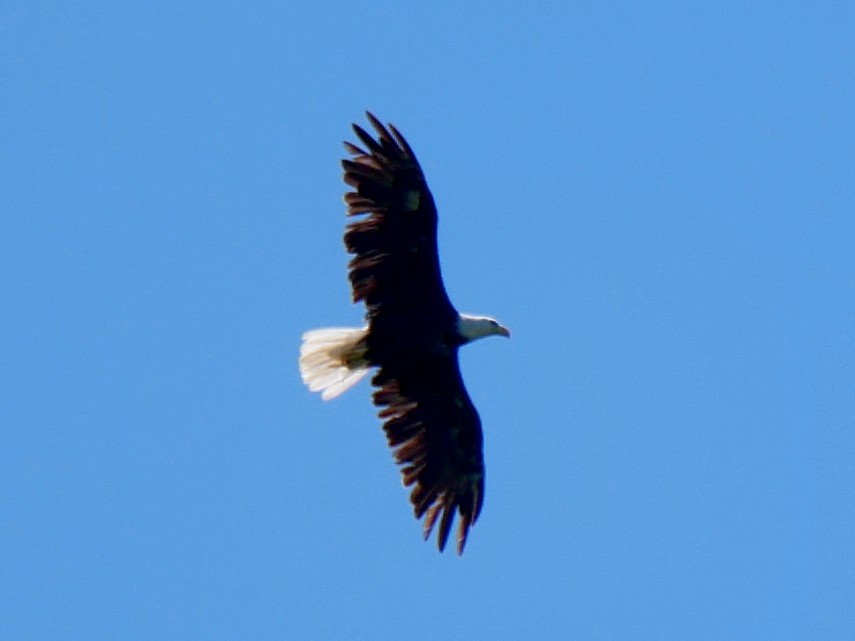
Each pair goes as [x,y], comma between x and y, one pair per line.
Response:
[658,199]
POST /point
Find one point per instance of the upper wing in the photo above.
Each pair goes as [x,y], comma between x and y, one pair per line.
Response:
[435,432]
[395,263]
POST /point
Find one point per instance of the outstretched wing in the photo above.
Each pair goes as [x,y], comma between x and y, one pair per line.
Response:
[435,433]
[395,264]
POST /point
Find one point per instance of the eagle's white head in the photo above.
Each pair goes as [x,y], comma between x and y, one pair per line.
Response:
[472,328]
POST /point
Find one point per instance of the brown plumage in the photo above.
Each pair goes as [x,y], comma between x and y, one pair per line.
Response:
[412,336]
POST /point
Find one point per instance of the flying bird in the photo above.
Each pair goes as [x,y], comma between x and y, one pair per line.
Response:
[411,337]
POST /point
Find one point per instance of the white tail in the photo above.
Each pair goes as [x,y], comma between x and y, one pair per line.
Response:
[332,360]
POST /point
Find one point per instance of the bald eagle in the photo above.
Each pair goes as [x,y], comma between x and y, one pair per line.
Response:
[411,336]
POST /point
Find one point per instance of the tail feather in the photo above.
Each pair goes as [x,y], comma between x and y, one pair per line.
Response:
[333,359]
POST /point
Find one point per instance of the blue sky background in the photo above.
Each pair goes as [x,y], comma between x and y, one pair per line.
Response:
[656,197]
